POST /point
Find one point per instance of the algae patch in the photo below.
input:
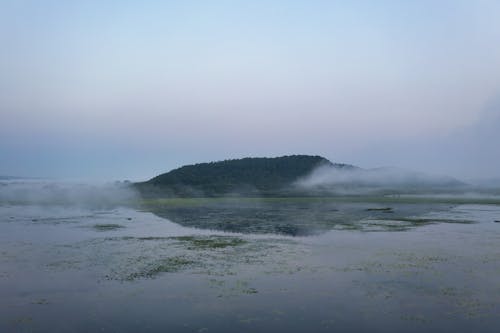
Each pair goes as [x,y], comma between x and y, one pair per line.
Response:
[404,223]
[166,265]
[107,227]
[384,210]
[418,221]
[203,243]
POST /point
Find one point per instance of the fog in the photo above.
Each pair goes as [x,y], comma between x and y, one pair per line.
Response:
[355,180]
[84,195]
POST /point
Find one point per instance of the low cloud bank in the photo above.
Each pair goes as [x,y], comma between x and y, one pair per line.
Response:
[356,180]
[66,193]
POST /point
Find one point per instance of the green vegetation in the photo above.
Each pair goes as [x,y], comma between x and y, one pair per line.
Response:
[171,264]
[249,176]
[107,227]
[385,210]
[280,177]
[200,201]
[417,221]
[213,242]
[402,223]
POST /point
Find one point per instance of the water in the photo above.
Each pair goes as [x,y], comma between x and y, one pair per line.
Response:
[350,268]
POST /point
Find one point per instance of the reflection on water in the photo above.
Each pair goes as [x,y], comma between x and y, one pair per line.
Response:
[124,270]
[298,216]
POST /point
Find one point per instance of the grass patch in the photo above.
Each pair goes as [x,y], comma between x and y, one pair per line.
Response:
[349,199]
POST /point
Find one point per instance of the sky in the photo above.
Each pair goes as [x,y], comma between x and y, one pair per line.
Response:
[129,89]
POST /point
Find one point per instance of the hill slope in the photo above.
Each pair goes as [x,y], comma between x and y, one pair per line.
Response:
[246,175]
[295,175]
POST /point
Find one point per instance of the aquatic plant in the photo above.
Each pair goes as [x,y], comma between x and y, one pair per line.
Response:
[107,227]
[214,242]
[170,264]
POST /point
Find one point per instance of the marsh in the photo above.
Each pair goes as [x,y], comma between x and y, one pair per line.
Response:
[252,264]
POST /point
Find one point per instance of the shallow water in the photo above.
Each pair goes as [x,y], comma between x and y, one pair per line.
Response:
[298,216]
[67,269]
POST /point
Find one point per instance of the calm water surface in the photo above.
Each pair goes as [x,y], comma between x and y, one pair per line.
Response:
[68,269]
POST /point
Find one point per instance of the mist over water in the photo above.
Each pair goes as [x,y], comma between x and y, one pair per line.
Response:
[330,179]
[66,193]
[246,264]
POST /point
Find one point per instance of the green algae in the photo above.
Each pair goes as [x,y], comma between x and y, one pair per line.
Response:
[107,227]
[166,265]
[214,242]
[418,221]
[383,209]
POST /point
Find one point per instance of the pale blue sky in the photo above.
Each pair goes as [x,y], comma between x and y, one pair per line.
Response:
[128,89]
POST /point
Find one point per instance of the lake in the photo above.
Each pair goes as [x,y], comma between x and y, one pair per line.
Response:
[252,264]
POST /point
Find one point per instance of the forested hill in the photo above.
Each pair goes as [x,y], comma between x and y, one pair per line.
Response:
[246,175]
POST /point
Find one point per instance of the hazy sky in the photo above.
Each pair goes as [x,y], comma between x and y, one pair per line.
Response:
[129,89]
